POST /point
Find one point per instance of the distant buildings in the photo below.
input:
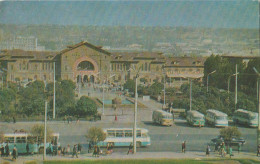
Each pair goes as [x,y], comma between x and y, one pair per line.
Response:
[22,43]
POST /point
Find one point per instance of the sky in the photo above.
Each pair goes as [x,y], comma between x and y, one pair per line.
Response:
[188,13]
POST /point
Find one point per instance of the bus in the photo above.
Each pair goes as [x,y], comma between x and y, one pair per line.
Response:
[124,137]
[216,118]
[195,118]
[20,140]
[163,118]
[245,117]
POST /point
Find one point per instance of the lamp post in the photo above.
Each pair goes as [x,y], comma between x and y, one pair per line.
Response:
[45,131]
[258,129]
[135,113]
[103,110]
[208,80]
[54,94]
[229,81]
[236,90]
[190,94]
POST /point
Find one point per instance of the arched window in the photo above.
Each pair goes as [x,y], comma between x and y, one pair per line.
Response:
[85,66]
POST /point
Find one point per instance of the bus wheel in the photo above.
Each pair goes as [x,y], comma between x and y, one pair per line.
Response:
[138,144]
[41,149]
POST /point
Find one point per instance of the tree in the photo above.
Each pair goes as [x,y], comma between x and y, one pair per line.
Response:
[33,98]
[96,134]
[229,132]
[156,88]
[130,85]
[86,106]
[38,130]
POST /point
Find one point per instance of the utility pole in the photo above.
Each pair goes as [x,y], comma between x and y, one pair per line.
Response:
[164,91]
[103,111]
[236,90]
[190,94]
[135,114]
[45,131]
[208,80]
[54,94]
[258,91]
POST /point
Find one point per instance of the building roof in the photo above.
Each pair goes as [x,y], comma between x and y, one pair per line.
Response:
[240,57]
[30,55]
[134,56]
[185,62]
[97,48]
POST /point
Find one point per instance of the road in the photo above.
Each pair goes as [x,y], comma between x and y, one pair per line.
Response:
[162,138]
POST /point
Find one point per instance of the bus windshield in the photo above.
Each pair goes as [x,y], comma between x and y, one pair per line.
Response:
[167,116]
[253,117]
[221,117]
[198,118]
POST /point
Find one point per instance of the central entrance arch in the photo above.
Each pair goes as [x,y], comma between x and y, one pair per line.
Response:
[84,70]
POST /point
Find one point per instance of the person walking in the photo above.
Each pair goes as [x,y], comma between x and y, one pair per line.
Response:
[207,150]
[130,149]
[14,154]
[59,150]
[75,151]
[79,148]
[183,146]
[2,151]
[95,152]
[68,149]
[27,148]
[258,150]
[7,150]
[89,147]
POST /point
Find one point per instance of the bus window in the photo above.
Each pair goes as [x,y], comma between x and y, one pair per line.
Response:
[9,139]
[20,139]
[119,133]
[111,133]
[138,134]
[144,135]
[128,133]
[221,117]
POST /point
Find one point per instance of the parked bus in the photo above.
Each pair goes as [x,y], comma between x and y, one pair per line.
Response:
[163,118]
[20,140]
[216,118]
[245,117]
[124,137]
[195,118]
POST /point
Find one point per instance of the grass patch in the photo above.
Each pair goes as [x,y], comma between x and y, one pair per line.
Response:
[150,161]
[248,161]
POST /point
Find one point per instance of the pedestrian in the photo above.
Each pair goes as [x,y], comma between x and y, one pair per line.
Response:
[79,148]
[59,150]
[68,149]
[258,150]
[207,150]
[27,148]
[230,152]
[183,146]
[68,119]
[89,147]
[223,150]
[63,151]
[14,153]
[7,150]
[130,149]
[95,152]
[2,151]
[51,149]
[75,151]
[14,120]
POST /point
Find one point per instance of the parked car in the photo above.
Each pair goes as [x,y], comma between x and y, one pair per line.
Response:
[234,141]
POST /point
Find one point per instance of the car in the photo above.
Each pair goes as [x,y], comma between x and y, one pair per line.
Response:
[235,141]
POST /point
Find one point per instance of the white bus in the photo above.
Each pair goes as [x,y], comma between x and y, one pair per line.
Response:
[245,117]
[195,118]
[163,118]
[124,137]
[216,118]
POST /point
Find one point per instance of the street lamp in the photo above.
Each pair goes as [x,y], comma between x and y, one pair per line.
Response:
[190,94]
[229,80]
[258,130]
[103,111]
[164,74]
[208,80]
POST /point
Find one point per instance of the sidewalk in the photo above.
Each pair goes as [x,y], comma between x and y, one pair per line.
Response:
[138,155]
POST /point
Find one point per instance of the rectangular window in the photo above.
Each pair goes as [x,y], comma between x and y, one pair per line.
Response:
[119,133]
[20,140]
[138,133]
[128,133]
[111,133]
[9,139]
